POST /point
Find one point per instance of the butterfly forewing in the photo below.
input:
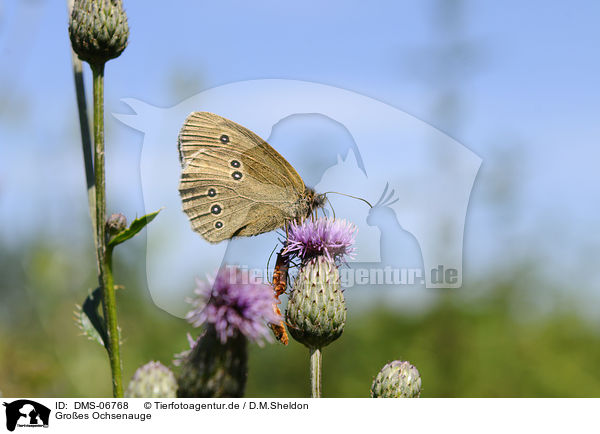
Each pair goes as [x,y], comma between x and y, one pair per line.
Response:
[233,182]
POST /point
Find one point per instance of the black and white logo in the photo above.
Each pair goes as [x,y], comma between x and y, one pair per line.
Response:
[26,413]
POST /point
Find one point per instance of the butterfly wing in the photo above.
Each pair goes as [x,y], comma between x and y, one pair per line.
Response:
[233,183]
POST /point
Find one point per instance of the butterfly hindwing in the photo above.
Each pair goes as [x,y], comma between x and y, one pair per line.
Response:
[233,182]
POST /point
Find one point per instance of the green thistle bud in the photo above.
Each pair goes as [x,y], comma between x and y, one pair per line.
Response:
[115,224]
[214,369]
[98,30]
[397,380]
[316,311]
[153,380]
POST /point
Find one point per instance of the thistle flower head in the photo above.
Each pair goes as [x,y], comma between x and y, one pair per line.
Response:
[316,310]
[397,379]
[153,380]
[98,30]
[323,237]
[212,369]
[233,305]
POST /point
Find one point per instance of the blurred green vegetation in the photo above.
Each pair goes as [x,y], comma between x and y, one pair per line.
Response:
[516,337]
[513,335]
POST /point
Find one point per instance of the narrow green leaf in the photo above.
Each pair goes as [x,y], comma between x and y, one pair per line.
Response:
[89,320]
[135,226]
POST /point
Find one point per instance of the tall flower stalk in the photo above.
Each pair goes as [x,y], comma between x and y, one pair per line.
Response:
[98,31]
[316,359]
[316,310]
[104,255]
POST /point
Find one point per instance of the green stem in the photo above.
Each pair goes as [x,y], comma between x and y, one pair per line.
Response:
[315,372]
[112,326]
[104,255]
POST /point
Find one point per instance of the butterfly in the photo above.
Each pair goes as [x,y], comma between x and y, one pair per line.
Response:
[233,183]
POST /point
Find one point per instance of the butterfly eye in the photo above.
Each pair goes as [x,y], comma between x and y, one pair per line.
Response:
[212,192]
[236,175]
[216,209]
[224,138]
[218,225]
[235,163]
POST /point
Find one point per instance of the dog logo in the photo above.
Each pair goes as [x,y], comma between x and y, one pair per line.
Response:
[26,413]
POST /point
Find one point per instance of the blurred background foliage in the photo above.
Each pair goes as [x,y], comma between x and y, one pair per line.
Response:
[513,330]
[498,344]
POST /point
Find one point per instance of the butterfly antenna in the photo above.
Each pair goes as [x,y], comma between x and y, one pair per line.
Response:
[349,195]
[331,205]
[269,260]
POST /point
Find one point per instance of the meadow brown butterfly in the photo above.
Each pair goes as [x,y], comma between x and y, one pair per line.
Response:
[233,183]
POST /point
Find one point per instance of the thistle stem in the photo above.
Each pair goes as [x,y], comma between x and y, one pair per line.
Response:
[315,372]
[110,313]
[104,255]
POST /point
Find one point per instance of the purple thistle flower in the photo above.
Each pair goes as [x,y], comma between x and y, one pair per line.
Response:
[233,304]
[323,237]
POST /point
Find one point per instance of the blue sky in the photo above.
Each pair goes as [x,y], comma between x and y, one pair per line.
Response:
[526,76]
